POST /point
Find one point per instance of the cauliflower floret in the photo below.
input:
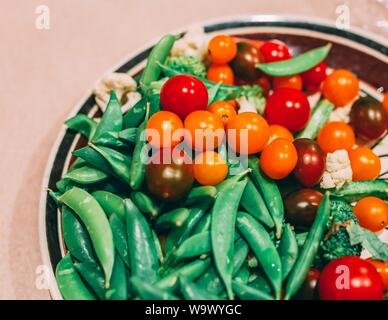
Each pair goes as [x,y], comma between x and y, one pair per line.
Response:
[341,114]
[193,43]
[123,85]
[245,105]
[338,170]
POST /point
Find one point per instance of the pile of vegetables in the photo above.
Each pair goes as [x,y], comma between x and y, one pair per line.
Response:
[224,182]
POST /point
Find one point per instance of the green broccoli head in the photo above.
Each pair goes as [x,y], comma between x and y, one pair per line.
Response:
[187,64]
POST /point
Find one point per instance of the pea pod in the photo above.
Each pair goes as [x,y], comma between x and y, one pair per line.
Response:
[262,246]
[203,225]
[158,246]
[245,292]
[144,203]
[93,276]
[78,163]
[95,159]
[192,291]
[82,124]
[310,248]
[120,237]
[118,289]
[128,136]
[271,194]
[254,204]
[298,64]
[288,250]
[86,175]
[200,194]
[222,231]
[69,282]
[261,282]
[174,218]
[356,190]
[142,252]
[97,224]
[319,117]
[76,237]
[110,139]
[111,203]
[135,115]
[150,292]
[242,276]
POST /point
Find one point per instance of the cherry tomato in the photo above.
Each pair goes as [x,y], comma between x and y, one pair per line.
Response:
[366,165]
[385,103]
[350,278]
[164,129]
[220,73]
[372,213]
[233,103]
[244,62]
[278,131]
[313,78]
[223,110]
[309,289]
[204,130]
[169,178]
[210,168]
[293,82]
[275,51]
[289,108]
[301,207]
[368,118]
[265,84]
[336,135]
[183,94]
[248,133]
[382,269]
[278,159]
[311,162]
[341,87]
[256,43]
[222,49]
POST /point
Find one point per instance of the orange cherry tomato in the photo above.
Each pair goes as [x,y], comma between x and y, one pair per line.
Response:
[279,158]
[248,133]
[372,213]
[220,73]
[222,49]
[294,82]
[341,87]
[164,129]
[366,165]
[336,135]
[223,110]
[204,130]
[382,269]
[278,131]
[210,168]
[233,103]
[385,102]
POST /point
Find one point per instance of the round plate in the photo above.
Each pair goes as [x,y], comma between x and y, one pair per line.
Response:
[364,54]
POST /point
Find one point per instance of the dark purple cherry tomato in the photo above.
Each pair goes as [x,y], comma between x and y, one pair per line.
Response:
[309,289]
[301,206]
[289,108]
[275,51]
[311,162]
[368,118]
[183,94]
[169,178]
[313,78]
[244,62]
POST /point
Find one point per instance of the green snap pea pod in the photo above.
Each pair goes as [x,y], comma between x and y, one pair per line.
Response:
[78,163]
[76,237]
[222,231]
[310,248]
[150,292]
[144,203]
[262,246]
[64,184]
[97,225]
[261,282]
[199,194]
[69,282]
[356,190]
[231,181]
[171,219]
[112,119]
[158,55]
[82,124]
[110,139]
[93,276]
[298,64]
[142,252]
[271,194]
[243,274]
[86,175]
[288,250]
[319,117]
[111,203]
[192,291]
[245,292]
[120,237]
[204,224]
[128,136]
[118,289]
[158,246]
[136,114]
[95,159]
[254,204]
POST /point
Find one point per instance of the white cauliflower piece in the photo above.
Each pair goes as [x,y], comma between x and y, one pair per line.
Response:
[338,170]
[193,43]
[245,105]
[123,85]
[341,114]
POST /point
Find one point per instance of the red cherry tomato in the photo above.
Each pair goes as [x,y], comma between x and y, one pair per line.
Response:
[309,290]
[220,73]
[275,51]
[313,78]
[350,278]
[293,82]
[265,84]
[289,108]
[183,94]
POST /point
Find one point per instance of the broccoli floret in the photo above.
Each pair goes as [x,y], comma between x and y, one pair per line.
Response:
[187,64]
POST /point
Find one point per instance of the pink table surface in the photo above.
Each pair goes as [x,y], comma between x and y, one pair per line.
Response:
[43,73]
